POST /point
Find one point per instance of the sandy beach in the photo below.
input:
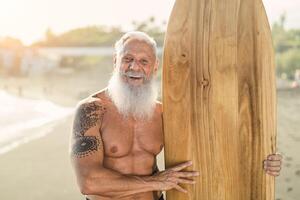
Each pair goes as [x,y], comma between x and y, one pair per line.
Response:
[40,169]
[288,144]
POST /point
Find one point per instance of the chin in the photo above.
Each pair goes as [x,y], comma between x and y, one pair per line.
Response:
[135,83]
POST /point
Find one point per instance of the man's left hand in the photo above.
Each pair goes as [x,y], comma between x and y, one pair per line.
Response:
[272,165]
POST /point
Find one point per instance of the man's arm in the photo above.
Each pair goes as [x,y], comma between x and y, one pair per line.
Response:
[87,157]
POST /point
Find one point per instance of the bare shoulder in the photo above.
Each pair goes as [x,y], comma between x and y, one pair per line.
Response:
[94,102]
[89,113]
[98,97]
[159,107]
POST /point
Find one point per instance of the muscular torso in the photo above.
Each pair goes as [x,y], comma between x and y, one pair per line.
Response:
[130,145]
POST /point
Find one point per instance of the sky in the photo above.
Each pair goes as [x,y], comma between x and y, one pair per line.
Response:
[29,19]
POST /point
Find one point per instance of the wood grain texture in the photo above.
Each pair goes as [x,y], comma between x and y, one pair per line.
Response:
[219,98]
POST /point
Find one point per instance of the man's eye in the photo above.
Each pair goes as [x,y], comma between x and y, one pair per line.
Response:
[127,59]
[144,62]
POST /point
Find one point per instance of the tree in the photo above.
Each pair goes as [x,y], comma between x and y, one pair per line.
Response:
[288,62]
[49,34]
[150,27]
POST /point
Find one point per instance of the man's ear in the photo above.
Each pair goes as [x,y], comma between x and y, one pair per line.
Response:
[115,60]
[155,69]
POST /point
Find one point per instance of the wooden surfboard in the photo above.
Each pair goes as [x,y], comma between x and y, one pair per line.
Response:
[219,98]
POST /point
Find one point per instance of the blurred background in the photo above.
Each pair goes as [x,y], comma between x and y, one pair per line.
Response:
[55,53]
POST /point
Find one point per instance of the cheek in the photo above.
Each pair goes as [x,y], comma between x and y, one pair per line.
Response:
[123,67]
[148,71]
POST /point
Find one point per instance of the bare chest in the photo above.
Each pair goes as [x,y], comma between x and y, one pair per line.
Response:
[123,136]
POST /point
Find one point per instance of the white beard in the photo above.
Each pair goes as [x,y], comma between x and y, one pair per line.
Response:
[138,101]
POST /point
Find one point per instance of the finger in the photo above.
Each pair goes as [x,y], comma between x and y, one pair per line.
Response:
[187,174]
[274,169]
[181,166]
[185,181]
[274,157]
[179,188]
[273,163]
[273,173]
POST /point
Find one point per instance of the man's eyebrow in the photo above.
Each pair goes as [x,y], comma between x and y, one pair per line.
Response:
[143,56]
[127,54]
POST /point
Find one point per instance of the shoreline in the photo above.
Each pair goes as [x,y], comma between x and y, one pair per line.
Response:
[20,117]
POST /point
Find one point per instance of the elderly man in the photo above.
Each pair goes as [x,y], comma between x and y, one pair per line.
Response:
[117,132]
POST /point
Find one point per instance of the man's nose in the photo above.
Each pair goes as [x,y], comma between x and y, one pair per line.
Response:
[134,65]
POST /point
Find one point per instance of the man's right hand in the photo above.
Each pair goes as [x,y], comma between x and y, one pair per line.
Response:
[172,177]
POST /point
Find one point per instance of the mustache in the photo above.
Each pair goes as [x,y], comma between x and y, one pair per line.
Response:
[133,74]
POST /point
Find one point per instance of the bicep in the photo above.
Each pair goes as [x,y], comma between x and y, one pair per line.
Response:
[86,143]
[87,149]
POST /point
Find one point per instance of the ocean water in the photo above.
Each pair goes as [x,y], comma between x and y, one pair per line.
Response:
[19,115]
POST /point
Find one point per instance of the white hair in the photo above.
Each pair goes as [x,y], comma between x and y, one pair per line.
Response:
[137,101]
[119,45]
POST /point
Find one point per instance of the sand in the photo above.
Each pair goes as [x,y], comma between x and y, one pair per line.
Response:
[41,168]
[288,143]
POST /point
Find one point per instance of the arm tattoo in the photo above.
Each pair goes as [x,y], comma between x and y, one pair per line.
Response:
[87,116]
[85,145]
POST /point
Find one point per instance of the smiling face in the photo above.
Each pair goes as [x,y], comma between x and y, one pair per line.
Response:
[137,62]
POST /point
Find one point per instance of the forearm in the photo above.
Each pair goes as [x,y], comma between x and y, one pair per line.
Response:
[110,183]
